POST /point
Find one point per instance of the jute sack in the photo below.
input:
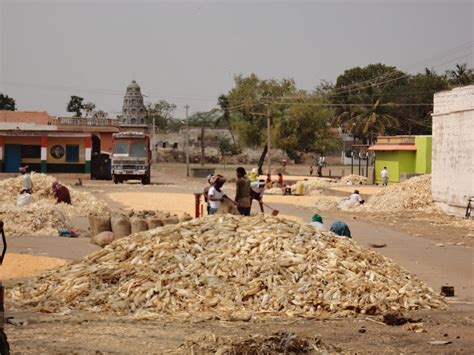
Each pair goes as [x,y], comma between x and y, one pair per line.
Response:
[185,217]
[99,224]
[138,225]
[102,239]
[154,222]
[227,206]
[120,226]
[170,220]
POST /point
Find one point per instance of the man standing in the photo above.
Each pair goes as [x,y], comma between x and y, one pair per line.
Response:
[384,175]
[27,184]
[256,192]
[242,193]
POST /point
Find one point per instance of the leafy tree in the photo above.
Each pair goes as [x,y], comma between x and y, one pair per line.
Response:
[75,105]
[362,96]
[461,75]
[89,108]
[416,102]
[161,112]
[7,103]
[305,127]
[249,101]
[225,118]
[370,115]
[99,114]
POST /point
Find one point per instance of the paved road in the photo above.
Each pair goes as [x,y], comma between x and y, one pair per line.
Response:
[437,266]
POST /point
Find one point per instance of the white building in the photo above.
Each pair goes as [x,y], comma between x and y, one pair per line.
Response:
[453,149]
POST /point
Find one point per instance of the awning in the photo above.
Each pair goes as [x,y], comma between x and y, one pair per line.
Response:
[393,147]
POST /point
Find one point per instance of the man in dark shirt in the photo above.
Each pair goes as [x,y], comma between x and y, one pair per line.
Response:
[242,193]
[61,193]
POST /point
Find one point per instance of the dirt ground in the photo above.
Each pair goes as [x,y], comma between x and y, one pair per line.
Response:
[413,244]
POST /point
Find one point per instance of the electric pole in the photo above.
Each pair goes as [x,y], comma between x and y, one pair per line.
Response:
[269,139]
[187,140]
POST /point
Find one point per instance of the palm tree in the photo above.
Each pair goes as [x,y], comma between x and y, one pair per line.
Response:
[461,75]
[368,115]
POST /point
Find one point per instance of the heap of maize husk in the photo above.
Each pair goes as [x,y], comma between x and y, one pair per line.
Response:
[43,216]
[274,191]
[412,194]
[353,179]
[229,267]
[326,203]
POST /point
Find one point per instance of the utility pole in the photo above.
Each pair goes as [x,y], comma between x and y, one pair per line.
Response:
[153,152]
[187,140]
[269,139]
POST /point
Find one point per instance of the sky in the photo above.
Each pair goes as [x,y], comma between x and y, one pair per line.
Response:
[188,52]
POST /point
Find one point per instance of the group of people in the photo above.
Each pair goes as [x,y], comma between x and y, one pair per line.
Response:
[340,228]
[59,191]
[246,191]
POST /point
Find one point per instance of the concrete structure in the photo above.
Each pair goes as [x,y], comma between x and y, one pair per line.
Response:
[404,156]
[453,149]
[133,109]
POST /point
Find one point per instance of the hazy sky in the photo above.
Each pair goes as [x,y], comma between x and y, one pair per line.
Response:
[188,52]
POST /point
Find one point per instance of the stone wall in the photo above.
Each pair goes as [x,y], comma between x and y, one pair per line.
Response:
[453,149]
[171,147]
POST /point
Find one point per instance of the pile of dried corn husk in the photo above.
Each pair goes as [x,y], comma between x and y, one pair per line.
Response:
[43,216]
[274,191]
[413,194]
[313,186]
[326,203]
[353,179]
[229,267]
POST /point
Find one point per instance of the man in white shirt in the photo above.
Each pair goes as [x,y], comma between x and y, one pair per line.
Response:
[317,221]
[356,197]
[216,194]
[256,192]
[26,183]
[384,175]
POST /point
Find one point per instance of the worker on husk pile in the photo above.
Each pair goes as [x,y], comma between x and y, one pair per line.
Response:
[216,194]
[26,183]
[341,229]
[61,193]
[242,193]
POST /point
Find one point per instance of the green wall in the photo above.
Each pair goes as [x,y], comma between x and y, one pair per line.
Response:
[397,162]
[390,160]
[423,154]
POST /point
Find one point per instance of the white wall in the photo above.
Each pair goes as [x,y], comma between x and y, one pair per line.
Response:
[453,149]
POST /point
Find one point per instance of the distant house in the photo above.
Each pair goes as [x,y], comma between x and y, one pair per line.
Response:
[51,144]
[404,156]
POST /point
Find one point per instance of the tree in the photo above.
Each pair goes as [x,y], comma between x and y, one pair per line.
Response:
[75,105]
[99,114]
[415,99]
[89,108]
[461,75]
[204,120]
[7,103]
[225,118]
[370,115]
[305,127]
[161,112]
[249,101]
